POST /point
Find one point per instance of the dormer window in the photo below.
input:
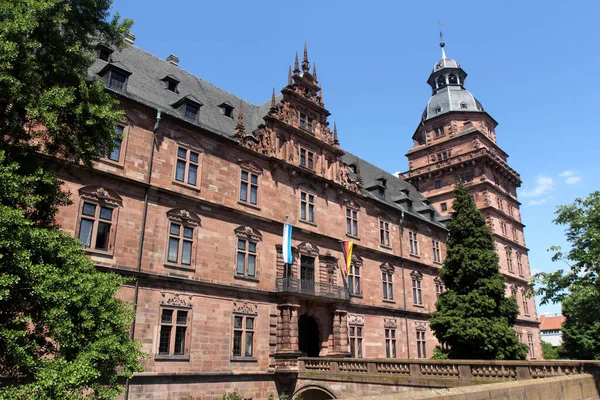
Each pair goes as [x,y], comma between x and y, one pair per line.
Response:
[226,110]
[352,168]
[117,80]
[438,110]
[452,79]
[103,53]
[441,81]
[190,111]
[171,83]
[382,182]
[463,106]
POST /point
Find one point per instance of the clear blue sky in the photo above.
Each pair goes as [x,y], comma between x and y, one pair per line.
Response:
[532,64]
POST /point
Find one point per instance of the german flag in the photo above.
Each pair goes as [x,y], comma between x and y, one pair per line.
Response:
[347,249]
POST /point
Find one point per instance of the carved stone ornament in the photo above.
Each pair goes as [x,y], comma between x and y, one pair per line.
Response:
[101,194]
[390,323]
[357,260]
[248,233]
[175,300]
[245,308]
[352,205]
[356,319]
[513,289]
[184,216]
[421,326]
[250,166]
[416,275]
[438,280]
[308,249]
[476,144]
[387,267]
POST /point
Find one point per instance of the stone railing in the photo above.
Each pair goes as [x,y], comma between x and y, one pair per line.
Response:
[438,373]
[311,288]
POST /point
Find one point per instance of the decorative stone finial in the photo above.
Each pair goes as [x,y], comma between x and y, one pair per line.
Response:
[273,105]
[315,71]
[335,134]
[305,64]
[290,76]
[296,67]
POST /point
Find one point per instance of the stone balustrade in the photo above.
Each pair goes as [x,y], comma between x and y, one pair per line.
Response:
[438,373]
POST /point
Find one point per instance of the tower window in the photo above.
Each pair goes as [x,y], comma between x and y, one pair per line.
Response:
[171,85]
[444,206]
[441,81]
[226,110]
[452,79]
[463,105]
[104,53]
[438,184]
[439,131]
[438,110]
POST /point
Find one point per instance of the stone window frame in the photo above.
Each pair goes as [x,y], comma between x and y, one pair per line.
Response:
[390,328]
[387,281]
[520,263]
[421,340]
[352,213]
[175,303]
[436,250]
[504,228]
[249,235]
[525,302]
[185,219]
[252,169]
[530,344]
[309,192]
[385,239]
[356,325]
[124,135]
[439,131]
[413,243]
[439,287]
[310,157]
[100,197]
[509,261]
[444,206]
[354,278]
[244,311]
[417,290]
[189,148]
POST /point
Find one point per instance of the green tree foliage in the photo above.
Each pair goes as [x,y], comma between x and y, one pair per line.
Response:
[578,288]
[474,318]
[550,352]
[63,333]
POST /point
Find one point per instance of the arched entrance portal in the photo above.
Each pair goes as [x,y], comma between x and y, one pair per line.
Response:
[308,336]
[315,394]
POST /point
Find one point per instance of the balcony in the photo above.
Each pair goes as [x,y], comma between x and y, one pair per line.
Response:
[311,288]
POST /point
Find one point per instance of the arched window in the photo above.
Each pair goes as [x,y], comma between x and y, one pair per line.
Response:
[441,81]
[452,79]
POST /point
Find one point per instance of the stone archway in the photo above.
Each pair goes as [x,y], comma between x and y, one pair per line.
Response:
[309,340]
[314,393]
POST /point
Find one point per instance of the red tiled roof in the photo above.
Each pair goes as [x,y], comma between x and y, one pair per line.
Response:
[551,322]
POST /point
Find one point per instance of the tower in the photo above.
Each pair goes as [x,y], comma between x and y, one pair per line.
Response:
[456,139]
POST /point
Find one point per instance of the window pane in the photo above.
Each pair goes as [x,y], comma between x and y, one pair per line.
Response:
[254,179]
[241,258]
[252,247]
[167,316]
[311,216]
[89,209]
[182,317]
[106,213]
[303,211]
[249,339]
[348,230]
[186,252]
[237,343]
[175,229]
[116,151]
[385,290]
[193,171]
[249,323]
[244,176]
[251,265]
[355,228]
[244,191]
[357,285]
[188,232]
[179,340]
[165,336]
[182,153]
[253,194]
[359,346]
[85,231]
[173,250]
[102,236]
[237,322]
[303,196]
[241,244]
[180,171]
[194,157]
[393,349]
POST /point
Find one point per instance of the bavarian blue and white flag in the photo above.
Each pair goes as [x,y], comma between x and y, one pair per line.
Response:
[287,243]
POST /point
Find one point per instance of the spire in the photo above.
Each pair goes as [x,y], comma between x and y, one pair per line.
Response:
[315,72]
[305,64]
[335,135]
[442,44]
[273,105]
[296,67]
[290,76]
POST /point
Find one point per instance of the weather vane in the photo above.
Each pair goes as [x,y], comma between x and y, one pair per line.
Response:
[441,33]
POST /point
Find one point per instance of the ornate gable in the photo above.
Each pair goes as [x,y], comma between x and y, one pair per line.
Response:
[100,194]
[308,249]
[184,216]
[248,233]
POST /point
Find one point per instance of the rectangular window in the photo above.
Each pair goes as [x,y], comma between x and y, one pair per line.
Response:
[435,247]
[117,80]
[180,244]
[356,338]
[442,156]
[95,226]
[115,154]
[525,304]
[390,343]
[190,111]
[503,227]
[387,285]
[307,207]
[246,258]
[351,222]
[520,264]
[384,233]
[413,243]
[307,158]
[187,166]
[509,260]
[243,336]
[439,131]
[515,234]
[416,290]
[439,288]
[173,332]
[302,120]
[438,184]
[530,344]
[354,278]
[249,187]
[421,345]
[444,206]
[500,203]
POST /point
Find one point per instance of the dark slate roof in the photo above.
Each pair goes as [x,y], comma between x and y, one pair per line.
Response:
[451,98]
[146,85]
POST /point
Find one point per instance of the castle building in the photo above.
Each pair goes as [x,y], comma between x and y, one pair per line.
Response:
[193,200]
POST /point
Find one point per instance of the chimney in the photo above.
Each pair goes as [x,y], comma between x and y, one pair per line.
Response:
[173,59]
[129,38]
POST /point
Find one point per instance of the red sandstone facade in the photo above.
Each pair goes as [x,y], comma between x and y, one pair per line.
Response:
[196,215]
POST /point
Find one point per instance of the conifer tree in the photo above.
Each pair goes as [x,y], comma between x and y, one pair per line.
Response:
[474,318]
